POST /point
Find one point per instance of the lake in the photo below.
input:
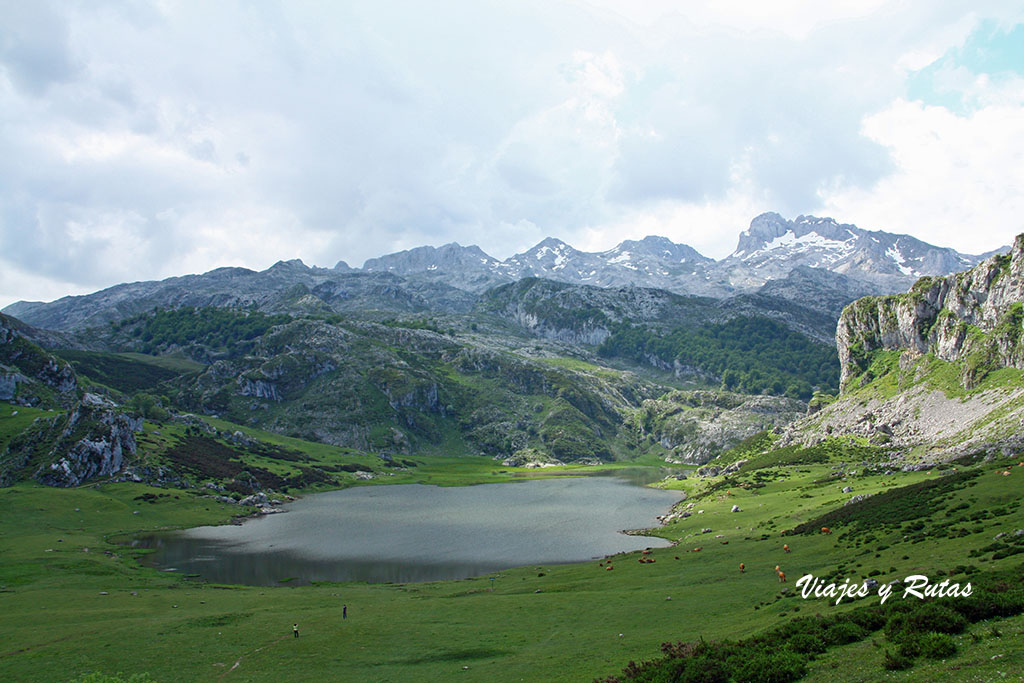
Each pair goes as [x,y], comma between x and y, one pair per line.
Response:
[416,532]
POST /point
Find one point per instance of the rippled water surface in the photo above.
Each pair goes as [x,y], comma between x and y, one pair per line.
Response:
[421,533]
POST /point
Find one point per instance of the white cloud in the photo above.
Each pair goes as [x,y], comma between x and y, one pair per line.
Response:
[954,178]
[165,138]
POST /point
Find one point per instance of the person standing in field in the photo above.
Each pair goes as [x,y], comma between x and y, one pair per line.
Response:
[295,630]
[344,611]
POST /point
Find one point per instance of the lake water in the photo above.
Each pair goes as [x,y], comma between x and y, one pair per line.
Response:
[416,532]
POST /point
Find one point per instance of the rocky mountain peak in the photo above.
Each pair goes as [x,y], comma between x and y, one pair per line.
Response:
[429,258]
[763,229]
[825,227]
[659,248]
[289,265]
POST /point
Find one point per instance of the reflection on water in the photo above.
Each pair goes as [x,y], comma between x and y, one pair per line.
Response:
[420,533]
[641,476]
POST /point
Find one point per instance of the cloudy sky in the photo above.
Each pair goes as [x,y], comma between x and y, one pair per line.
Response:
[143,139]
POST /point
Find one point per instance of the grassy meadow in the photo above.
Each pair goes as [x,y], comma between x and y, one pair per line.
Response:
[74,599]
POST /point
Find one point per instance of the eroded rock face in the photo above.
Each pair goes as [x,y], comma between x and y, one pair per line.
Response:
[94,442]
[24,362]
[938,315]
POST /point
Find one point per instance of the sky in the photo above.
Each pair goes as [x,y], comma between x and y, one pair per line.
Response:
[144,139]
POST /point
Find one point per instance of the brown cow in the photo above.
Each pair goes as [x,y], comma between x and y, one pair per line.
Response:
[782,577]
[825,530]
[786,547]
[742,567]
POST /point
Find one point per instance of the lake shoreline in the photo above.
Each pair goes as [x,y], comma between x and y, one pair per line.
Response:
[382,534]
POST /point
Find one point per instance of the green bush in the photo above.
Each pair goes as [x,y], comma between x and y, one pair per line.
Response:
[896,662]
[937,646]
[844,632]
[985,604]
[772,667]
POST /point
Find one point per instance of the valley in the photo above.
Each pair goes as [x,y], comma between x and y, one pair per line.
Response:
[893,453]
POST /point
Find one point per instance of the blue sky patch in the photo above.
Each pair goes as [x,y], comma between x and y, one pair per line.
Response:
[990,50]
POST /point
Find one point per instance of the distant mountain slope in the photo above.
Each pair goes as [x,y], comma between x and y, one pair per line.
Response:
[772,246]
[287,286]
[873,262]
[818,289]
[585,314]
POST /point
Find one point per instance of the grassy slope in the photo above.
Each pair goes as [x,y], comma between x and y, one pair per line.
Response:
[128,372]
[57,623]
[16,419]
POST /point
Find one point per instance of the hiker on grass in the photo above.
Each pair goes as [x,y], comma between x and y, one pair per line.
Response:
[344,611]
[295,630]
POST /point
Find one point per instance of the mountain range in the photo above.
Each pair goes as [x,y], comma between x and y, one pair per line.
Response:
[768,250]
[815,262]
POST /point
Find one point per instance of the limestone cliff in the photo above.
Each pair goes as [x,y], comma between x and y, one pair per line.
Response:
[974,317]
[933,373]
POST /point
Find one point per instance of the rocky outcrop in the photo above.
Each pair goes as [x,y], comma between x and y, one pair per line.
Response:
[94,443]
[91,440]
[973,317]
[9,384]
[696,426]
[28,374]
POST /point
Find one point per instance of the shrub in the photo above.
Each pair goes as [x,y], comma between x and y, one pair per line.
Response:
[896,662]
[985,604]
[772,667]
[844,632]
[937,646]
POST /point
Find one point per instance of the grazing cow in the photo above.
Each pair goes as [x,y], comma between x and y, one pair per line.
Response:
[825,530]
[608,568]
[786,547]
[782,577]
[778,567]
[742,567]
[725,542]
[697,550]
